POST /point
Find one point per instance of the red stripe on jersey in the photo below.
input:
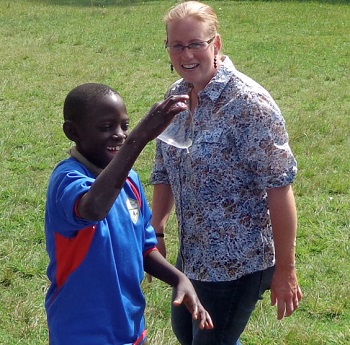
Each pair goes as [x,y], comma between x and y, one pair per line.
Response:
[71,252]
[135,190]
[149,251]
[141,339]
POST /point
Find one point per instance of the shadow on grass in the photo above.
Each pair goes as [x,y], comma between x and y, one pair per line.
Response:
[107,3]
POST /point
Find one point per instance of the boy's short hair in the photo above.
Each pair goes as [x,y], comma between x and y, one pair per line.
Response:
[82,97]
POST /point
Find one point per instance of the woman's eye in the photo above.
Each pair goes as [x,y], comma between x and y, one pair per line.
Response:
[196,45]
[177,46]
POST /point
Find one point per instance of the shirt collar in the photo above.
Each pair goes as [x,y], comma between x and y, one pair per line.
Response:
[223,75]
[217,84]
[80,158]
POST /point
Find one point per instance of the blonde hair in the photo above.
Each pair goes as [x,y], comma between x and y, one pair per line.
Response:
[197,10]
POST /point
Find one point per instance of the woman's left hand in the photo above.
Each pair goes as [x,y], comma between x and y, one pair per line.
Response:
[285,292]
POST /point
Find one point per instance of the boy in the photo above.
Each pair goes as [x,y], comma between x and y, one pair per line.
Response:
[97,224]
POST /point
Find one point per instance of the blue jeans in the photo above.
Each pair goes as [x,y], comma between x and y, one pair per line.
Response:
[230,305]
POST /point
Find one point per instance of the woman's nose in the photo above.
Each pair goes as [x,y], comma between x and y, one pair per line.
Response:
[187,52]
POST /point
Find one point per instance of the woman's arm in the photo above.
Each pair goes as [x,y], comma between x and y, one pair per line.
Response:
[162,205]
[285,290]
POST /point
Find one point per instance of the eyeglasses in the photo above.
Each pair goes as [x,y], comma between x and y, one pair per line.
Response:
[194,46]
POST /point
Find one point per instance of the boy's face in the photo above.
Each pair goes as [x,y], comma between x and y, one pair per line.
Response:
[103,130]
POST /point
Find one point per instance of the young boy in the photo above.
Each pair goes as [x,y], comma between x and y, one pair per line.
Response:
[98,233]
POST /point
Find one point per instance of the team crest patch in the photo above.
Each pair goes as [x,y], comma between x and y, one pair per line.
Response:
[133,208]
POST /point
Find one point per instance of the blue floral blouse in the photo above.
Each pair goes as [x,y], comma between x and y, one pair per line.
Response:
[240,148]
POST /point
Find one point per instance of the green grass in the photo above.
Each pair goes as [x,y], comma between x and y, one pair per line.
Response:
[299,50]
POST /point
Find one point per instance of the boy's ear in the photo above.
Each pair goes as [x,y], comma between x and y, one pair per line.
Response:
[70,130]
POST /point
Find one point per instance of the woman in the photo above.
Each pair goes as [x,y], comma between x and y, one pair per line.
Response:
[232,188]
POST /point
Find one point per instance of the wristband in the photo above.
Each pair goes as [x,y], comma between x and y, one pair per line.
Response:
[159,234]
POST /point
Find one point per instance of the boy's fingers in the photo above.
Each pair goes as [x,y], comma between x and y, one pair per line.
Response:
[178,299]
[195,307]
[191,304]
[174,104]
[205,319]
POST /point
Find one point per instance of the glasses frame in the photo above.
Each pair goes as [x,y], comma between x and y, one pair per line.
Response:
[168,47]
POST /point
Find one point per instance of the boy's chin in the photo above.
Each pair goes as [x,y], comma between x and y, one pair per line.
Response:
[110,157]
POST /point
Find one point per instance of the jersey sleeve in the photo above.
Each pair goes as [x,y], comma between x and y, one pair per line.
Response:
[66,187]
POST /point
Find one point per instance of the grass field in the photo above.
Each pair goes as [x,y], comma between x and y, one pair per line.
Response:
[299,50]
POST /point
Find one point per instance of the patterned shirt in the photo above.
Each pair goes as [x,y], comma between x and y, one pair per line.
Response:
[240,148]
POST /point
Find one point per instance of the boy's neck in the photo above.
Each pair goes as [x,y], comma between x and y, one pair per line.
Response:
[79,157]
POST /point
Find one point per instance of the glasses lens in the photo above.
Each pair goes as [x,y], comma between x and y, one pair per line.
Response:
[177,48]
[196,46]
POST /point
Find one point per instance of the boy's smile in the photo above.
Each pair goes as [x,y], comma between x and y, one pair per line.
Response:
[114,149]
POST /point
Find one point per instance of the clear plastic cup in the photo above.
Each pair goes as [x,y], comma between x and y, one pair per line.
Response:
[180,131]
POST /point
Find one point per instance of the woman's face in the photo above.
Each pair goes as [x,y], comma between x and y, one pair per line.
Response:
[196,67]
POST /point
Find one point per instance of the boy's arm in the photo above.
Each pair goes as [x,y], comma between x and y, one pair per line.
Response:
[156,265]
[96,203]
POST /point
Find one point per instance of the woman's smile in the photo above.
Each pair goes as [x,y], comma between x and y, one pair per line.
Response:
[190,66]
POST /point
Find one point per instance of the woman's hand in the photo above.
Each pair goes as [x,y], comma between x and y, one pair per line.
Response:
[285,292]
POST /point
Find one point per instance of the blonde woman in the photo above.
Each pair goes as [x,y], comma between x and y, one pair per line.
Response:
[231,189]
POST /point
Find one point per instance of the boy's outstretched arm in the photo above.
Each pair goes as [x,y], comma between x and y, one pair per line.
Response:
[97,202]
[159,267]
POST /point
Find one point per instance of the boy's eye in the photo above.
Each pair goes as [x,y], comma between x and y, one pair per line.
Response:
[105,127]
[125,126]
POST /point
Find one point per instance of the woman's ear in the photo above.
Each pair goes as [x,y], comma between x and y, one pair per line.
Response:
[70,130]
[217,44]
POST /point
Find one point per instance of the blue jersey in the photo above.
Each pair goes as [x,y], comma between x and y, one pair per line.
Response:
[95,268]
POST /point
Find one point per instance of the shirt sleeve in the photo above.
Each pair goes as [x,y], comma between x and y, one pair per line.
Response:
[264,143]
[68,187]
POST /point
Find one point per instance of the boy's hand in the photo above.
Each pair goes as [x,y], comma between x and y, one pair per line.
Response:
[185,294]
[160,116]
[156,265]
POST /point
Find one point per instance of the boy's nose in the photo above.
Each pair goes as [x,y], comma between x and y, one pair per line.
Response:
[119,135]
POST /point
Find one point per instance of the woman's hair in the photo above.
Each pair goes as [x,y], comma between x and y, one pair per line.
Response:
[202,12]
[82,98]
